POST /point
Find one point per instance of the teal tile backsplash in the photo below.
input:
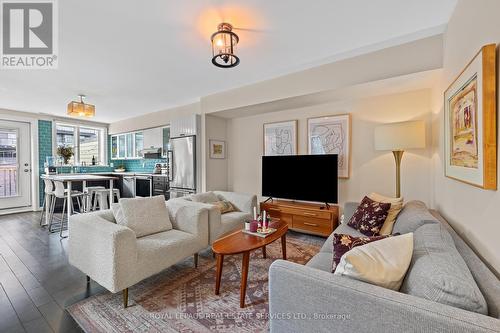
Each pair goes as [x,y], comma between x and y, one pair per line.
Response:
[44,150]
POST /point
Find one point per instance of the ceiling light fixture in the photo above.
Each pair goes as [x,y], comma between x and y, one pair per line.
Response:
[224,42]
[81,109]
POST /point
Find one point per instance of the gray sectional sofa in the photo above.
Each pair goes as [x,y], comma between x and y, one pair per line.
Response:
[311,299]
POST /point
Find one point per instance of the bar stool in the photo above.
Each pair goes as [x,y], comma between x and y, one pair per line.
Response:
[90,192]
[47,202]
[61,193]
[102,196]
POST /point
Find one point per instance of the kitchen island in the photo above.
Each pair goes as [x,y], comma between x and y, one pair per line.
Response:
[69,178]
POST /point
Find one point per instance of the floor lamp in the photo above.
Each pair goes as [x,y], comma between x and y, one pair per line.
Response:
[399,137]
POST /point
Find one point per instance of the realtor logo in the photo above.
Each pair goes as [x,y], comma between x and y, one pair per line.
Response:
[29,34]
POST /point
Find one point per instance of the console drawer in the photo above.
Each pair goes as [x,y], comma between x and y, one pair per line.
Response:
[313,214]
[313,225]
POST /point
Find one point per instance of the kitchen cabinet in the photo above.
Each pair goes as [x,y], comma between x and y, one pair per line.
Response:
[153,137]
[130,145]
[127,145]
[185,126]
[161,186]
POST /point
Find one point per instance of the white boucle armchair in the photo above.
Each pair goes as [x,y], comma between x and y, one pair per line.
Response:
[111,255]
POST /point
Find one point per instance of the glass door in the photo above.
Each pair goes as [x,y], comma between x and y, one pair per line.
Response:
[121,146]
[130,146]
[139,144]
[114,147]
[15,165]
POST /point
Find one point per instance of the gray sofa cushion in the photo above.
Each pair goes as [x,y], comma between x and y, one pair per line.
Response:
[413,215]
[349,209]
[322,261]
[438,272]
[341,229]
[487,282]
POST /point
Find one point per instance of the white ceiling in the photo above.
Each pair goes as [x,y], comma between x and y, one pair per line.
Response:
[134,57]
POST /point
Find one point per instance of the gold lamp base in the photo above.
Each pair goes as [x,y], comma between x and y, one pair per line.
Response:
[398,156]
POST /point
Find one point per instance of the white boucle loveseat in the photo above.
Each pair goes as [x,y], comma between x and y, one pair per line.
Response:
[221,224]
[114,257]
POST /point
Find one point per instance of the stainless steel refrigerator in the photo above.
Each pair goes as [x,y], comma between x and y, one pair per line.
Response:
[182,166]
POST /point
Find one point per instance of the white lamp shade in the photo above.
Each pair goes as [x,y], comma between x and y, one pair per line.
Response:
[400,136]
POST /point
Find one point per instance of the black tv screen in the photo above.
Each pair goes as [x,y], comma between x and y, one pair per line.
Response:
[300,177]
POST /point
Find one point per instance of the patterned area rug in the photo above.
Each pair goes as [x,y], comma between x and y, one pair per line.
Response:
[182,298]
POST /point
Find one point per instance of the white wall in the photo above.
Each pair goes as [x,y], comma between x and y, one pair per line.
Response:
[472,211]
[413,57]
[370,170]
[215,169]
[153,119]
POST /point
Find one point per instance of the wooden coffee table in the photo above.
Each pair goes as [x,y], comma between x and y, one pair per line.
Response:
[240,242]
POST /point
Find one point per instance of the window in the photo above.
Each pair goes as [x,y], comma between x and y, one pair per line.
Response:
[8,162]
[84,142]
[89,145]
[65,138]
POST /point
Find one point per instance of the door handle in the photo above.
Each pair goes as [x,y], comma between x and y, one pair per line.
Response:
[170,155]
[309,214]
[26,170]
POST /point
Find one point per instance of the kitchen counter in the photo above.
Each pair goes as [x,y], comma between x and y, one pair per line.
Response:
[114,173]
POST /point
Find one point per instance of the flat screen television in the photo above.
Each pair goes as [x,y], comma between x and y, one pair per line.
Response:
[301,177]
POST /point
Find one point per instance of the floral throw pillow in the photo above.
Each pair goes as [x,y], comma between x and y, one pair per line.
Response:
[224,206]
[343,243]
[369,217]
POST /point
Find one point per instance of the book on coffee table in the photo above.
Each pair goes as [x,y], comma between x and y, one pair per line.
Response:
[269,231]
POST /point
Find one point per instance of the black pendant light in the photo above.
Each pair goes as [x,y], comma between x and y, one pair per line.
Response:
[224,42]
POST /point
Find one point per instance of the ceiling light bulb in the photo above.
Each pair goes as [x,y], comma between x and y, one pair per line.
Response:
[219,42]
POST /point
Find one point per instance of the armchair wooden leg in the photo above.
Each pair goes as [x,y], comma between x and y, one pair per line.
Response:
[196,260]
[125,297]
[88,279]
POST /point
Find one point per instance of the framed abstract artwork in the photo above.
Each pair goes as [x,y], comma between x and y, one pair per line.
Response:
[280,138]
[331,135]
[217,149]
[470,125]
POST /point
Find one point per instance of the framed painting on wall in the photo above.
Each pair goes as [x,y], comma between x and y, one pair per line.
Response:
[331,135]
[470,125]
[280,138]
[217,149]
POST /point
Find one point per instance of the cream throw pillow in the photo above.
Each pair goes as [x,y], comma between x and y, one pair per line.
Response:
[396,206]
[383,262]
[145,216]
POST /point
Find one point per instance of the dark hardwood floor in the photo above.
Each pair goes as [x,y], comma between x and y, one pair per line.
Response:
[36,281]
